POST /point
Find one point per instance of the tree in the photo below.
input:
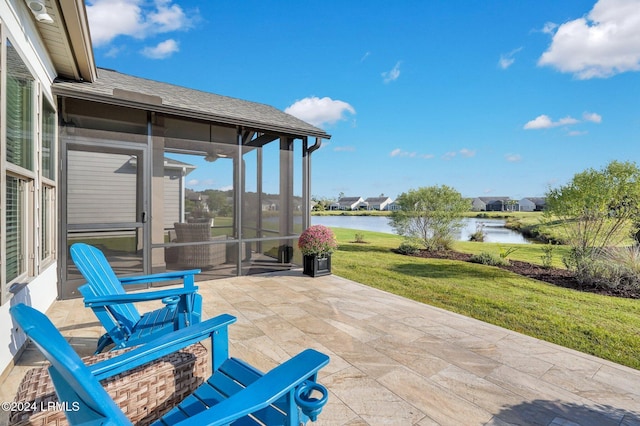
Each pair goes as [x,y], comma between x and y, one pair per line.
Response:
[430,215]
[596,210]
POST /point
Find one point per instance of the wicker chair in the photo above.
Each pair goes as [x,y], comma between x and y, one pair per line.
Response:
[202,255]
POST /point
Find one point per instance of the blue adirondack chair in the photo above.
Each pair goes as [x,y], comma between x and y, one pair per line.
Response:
[104,293]
[236,393]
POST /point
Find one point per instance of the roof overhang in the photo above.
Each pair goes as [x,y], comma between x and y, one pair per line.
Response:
[114,88]
[68,40]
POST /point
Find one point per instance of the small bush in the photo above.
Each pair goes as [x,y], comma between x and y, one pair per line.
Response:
[478,235]
[504,253]
[408,248]
[491,259]
[359,238]
[619,267]
[547,256]
[614,267]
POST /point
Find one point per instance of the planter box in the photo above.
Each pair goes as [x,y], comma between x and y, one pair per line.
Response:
[315,266]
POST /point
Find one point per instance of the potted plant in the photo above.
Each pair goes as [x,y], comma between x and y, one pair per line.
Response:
[316,243]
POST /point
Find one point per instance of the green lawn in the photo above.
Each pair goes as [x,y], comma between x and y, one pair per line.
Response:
[603,326]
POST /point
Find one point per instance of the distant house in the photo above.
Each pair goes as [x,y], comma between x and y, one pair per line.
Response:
[532,204]
[378,203]
[393,206]
[347,203]
[494,204]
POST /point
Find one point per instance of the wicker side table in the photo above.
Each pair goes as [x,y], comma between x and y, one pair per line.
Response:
[144,394]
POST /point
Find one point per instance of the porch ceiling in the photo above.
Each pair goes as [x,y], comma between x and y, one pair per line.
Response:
[116,88]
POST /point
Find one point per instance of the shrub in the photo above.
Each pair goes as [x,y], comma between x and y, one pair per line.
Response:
[408,248]
[613,267]
[317,240]
[359,238]
[618,267]
[478,235]
[505,252]
[547,256]
[487,258]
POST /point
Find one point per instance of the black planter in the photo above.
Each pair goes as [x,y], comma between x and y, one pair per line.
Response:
[315,266]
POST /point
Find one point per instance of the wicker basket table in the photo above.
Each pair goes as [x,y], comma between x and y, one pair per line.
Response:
[144,394]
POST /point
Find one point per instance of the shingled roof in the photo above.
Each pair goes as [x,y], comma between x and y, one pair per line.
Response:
[121,89]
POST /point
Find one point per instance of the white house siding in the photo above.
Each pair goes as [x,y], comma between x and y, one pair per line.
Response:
[40,291]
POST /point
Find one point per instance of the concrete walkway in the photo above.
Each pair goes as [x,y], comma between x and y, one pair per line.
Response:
[395,361]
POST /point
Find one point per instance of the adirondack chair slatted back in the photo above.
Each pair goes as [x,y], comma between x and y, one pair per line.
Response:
[87,399]
[101,279]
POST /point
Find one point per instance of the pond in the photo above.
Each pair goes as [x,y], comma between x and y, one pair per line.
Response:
[494,229]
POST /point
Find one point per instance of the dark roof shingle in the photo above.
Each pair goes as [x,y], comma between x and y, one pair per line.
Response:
[123,89]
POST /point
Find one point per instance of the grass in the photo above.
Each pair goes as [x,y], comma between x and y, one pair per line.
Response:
[599,325]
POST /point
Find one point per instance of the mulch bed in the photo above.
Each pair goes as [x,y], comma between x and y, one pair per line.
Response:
[555,276]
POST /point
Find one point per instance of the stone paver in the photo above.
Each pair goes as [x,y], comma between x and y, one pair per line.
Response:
[395,361]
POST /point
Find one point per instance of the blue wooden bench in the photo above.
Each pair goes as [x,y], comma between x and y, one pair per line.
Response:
[104,293]
[236,393]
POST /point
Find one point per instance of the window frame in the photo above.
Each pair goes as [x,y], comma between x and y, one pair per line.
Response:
[37,200]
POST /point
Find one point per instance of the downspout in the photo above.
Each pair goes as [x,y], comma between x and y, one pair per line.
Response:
[306,179]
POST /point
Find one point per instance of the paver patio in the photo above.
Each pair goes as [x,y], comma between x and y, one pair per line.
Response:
[395,361]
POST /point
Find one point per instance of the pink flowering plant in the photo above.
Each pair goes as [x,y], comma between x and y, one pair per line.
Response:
[317,240]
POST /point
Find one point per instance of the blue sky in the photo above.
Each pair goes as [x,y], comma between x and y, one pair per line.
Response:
[493,98]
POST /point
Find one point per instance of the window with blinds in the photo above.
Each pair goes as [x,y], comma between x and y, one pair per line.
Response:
[48,141]
[15,228]
[19,111]
[19,166]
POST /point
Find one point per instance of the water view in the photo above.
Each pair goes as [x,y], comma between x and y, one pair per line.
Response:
[494,229]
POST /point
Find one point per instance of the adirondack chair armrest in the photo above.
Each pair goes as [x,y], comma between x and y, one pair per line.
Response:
[94,301]
[163,276]
[268,389]
[162,346]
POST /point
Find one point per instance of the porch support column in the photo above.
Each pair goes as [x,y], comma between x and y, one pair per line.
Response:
[238,193]
[286,186]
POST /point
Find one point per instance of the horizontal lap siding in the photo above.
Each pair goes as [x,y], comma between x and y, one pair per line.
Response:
[101,188]
[172,182]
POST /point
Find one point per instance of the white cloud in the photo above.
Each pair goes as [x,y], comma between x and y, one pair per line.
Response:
[401,153]
[344,148]
[319,111]
[577,132]
[507,59]
[593,117]
[545,122]
[513,158]
[161,50]
[449,155]
[365,56]
[549,28]
[139,19]
[467,153]
[392,75]
[604,43]
[200,183]
[464,152]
